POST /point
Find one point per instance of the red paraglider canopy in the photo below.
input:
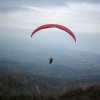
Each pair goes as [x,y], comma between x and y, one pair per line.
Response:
[54,26]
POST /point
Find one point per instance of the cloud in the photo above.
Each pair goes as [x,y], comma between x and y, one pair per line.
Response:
[12,5]
[84,1]
[79,17]
[35,2]
[45,3]
[11,8]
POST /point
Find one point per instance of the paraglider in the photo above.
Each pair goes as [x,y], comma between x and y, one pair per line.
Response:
[45,26]
[54,26]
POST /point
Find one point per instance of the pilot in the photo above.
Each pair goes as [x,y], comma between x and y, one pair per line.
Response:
[50,59]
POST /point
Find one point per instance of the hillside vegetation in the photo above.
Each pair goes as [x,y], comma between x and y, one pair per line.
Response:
[92,93]
[21,87]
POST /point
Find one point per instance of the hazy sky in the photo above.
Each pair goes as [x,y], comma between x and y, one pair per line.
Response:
[21,17]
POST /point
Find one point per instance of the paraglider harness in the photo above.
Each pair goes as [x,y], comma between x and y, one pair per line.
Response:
[51,60]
